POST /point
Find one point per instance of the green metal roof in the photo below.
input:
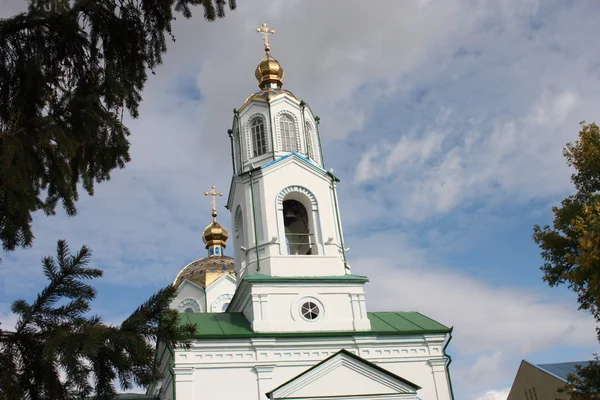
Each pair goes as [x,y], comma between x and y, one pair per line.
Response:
[235,325]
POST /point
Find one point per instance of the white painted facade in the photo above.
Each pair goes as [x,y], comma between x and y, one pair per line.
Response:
[294,287]
[248,369]
[275,307]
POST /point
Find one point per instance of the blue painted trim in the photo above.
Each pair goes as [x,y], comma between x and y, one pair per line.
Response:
[300,156]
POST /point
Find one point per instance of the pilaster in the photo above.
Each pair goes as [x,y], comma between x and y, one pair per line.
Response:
[264,375]
[184,383]
[440,378]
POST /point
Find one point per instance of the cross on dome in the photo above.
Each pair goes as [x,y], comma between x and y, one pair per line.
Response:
[265,30]
[269,72]
[214,235]
[213,193]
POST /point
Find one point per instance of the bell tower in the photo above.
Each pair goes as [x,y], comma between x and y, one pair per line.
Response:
[288,239]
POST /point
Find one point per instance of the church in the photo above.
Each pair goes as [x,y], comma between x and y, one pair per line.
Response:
[285,318]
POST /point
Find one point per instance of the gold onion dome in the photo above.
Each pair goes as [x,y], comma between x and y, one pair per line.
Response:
[214,234]
[269,72]
[205,271]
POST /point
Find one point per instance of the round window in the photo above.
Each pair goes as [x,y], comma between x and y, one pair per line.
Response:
[310,311]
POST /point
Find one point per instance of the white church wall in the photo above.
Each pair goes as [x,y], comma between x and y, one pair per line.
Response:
[189,295]
[242,198]
[433,385]
[277,178]
[230,369]
[275,260]
[232,382]
[279,307]
[220,293]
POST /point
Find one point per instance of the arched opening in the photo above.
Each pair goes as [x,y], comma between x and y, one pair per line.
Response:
[239,237]
[299,239]
[259,137]
[287,129]
[189,309]
[309,141]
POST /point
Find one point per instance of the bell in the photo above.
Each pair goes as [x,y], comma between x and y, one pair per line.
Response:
[289,217]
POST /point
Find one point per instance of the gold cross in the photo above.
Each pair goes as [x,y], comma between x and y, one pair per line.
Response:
[213,193]
[265,30]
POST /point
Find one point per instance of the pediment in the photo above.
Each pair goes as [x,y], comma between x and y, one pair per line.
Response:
[187,285]
[345,376]
[220,280]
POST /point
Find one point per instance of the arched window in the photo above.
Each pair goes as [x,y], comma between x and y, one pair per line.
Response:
[259,137]
[239,237]
[189,305]
[300,232]
[309,141]
[237,153]
[299,239]
[288,133]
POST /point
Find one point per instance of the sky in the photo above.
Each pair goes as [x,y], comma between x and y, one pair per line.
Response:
[445,121]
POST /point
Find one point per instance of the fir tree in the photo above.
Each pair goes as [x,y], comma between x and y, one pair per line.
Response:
[68,71]
[58,351]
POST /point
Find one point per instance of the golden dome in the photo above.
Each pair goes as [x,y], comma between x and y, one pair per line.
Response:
[269,72]
[205,271]
[215,234]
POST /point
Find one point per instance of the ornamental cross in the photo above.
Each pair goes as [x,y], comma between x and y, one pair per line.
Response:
[213,193]
[265,30]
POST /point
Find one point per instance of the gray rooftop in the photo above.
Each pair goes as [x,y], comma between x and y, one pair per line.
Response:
[562,370]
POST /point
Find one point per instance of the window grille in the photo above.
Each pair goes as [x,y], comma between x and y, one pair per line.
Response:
[259,137]
[288,134]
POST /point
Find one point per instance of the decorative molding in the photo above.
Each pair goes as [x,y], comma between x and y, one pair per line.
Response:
[264,371]
[217,303]
[248,130]
[436,363]
[188,303]
[340,360]
[295,308]
[299,189]
[296,129]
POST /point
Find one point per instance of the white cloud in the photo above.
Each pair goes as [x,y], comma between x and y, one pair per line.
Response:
[501,100]
[494,326]
[485,317]
[495,395]
[440,169]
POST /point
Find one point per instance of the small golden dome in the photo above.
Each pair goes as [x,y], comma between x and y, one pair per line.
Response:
[205,271]
[215,234]
[269,72]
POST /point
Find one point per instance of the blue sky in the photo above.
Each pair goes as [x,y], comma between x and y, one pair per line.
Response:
[445,121]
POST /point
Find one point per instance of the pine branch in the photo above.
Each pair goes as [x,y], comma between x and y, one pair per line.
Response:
[66,79]
[50,339]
